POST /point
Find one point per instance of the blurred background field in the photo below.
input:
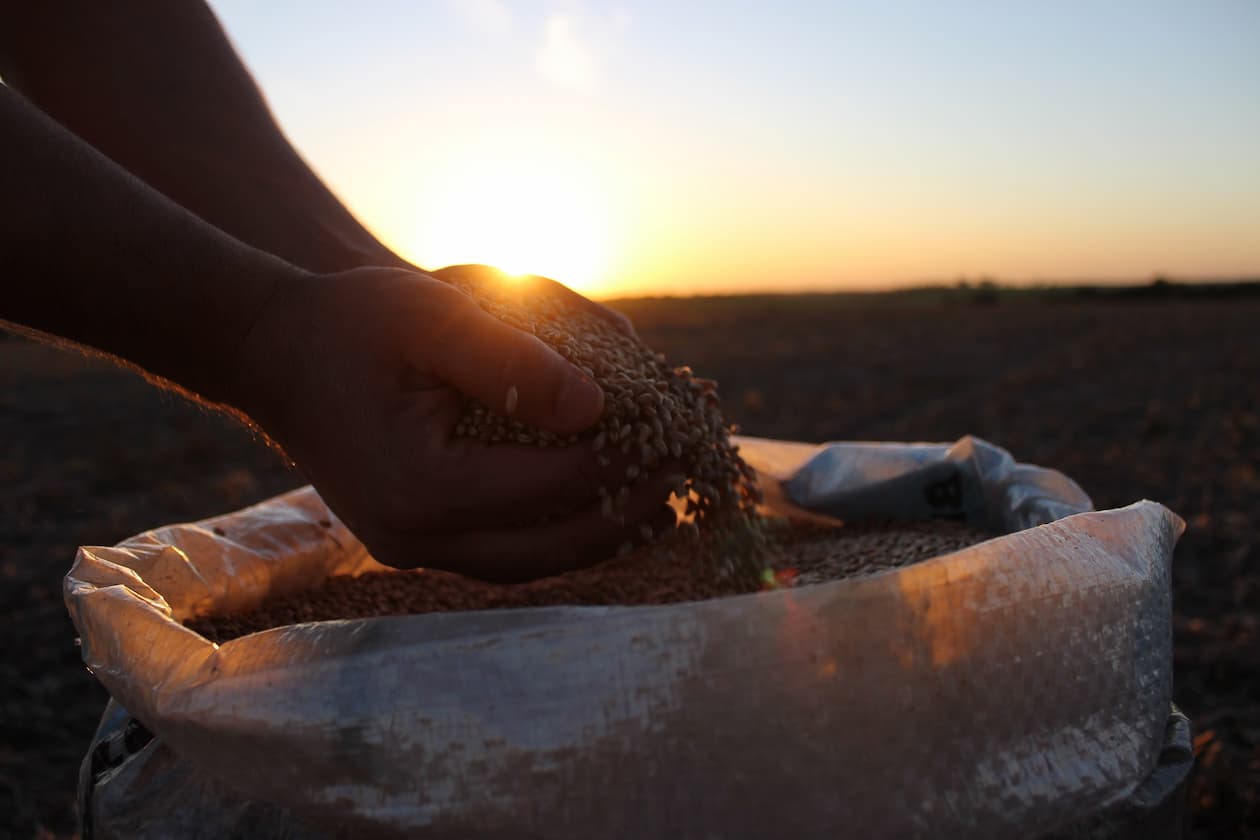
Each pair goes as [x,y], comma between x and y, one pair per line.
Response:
[1150,393]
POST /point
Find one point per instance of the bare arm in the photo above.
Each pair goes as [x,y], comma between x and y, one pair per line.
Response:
[92,254]
[156,86]
[360,375]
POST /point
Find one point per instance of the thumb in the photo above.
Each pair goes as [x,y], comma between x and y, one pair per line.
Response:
[515,374]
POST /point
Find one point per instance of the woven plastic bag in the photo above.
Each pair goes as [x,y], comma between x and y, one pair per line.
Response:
[1017,688]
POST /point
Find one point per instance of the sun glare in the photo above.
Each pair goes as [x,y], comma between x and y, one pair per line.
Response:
[523,214]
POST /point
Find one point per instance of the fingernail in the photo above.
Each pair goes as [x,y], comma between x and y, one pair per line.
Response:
[580,401]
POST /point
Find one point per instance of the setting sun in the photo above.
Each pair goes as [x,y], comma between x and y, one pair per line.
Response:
[523,213]
[645,149]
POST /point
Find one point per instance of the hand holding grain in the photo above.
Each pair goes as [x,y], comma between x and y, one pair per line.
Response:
[362,377]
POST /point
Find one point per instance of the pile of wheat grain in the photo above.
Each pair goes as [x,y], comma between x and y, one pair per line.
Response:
[652,574]
[653,413]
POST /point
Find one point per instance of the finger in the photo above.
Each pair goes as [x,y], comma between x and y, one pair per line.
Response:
[510,371]
[489,484]
[522,554]
[500,484]
[525,553]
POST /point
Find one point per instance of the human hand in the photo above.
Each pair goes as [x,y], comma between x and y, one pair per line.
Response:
[360,377]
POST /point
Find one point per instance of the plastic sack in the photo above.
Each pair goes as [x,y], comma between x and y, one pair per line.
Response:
[1020,687]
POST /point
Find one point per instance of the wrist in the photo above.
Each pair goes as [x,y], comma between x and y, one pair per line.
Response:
[263,361]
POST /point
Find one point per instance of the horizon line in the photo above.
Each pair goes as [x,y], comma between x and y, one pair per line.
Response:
[959,283]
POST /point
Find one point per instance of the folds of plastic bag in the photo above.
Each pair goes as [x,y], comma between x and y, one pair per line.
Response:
[1010,689]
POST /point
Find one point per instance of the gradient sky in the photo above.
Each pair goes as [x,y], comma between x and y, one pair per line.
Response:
[665,147]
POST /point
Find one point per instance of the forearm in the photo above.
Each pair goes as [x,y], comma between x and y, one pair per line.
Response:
[157,87]
[93,255]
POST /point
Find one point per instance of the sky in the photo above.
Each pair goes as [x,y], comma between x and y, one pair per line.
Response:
[659,147]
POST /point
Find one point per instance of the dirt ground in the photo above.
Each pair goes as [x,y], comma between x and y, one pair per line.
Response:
[1133,398]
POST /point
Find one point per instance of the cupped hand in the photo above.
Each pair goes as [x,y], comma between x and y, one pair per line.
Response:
[361,378]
